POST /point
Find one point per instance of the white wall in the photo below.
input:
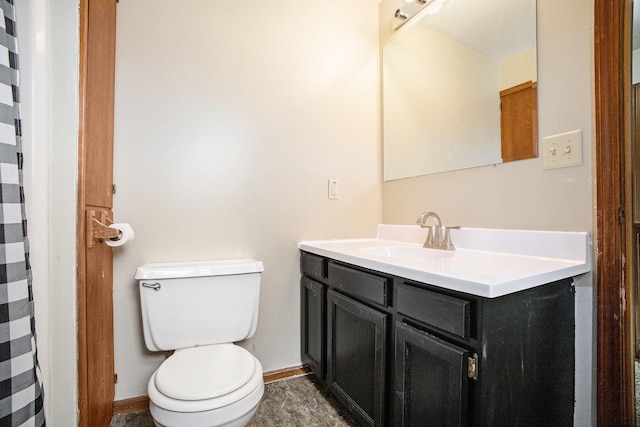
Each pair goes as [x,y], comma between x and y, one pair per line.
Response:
[49,97]
[230,119]
[520,194]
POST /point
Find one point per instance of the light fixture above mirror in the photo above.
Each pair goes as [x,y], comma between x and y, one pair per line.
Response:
[412,7]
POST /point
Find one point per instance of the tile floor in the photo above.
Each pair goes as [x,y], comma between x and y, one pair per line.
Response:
[292,402]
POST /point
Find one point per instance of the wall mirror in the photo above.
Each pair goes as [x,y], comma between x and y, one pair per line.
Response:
[443,76]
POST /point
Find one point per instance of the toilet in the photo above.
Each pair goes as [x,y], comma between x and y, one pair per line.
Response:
[199,310]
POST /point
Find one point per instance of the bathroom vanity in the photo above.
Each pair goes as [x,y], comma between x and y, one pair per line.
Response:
[406,336]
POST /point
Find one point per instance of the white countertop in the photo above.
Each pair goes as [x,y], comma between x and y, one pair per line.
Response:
[486,262]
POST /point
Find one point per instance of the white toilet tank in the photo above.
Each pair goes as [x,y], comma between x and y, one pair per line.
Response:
[189,304]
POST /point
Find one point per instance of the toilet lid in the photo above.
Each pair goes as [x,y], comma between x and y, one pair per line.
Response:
[205,372]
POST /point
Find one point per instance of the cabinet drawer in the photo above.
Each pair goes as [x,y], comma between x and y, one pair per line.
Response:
[359,283]
[313,265]
[442,311]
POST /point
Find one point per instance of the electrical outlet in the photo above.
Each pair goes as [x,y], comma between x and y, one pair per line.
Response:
[562,151]
[334,189]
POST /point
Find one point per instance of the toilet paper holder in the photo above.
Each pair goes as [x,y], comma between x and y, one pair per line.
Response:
[97,229]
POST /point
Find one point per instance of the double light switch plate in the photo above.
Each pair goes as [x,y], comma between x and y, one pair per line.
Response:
[562,151]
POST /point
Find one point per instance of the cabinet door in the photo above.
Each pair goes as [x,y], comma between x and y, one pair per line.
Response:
[357,342]
[312,304]
[431,380]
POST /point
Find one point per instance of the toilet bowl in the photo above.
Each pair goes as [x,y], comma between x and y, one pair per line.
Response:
[208,386]
[200,310]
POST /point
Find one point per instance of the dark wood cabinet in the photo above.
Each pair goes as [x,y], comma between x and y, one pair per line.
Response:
[357,356]
[400,353]
[313,331]
[431,380]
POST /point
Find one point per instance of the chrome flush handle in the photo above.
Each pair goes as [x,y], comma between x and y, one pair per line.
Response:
[154,286]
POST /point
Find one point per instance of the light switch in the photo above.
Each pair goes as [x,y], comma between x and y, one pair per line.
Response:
[562,151]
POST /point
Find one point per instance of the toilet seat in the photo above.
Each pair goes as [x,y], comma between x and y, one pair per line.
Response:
[205,378]
[222,369]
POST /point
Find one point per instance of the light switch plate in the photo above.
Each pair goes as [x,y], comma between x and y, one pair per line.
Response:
[562,151]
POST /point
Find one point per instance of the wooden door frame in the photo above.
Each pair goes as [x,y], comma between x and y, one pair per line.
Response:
[96,376]
[612,53]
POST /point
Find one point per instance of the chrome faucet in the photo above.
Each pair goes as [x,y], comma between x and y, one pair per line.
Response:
[435,239]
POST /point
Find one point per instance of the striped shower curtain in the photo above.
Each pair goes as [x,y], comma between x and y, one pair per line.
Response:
[21,397]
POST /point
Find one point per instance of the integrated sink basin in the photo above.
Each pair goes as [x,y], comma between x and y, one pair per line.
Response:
[486,262]
[406,252]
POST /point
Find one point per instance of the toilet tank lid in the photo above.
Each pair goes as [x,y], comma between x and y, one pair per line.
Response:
[175,270]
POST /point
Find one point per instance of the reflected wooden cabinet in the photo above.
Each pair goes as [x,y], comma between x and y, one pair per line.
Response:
[519,122]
